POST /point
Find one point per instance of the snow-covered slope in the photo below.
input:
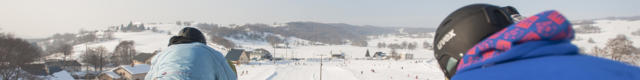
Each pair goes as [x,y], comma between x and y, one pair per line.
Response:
[315,51]
[342,70]
[149,41]
[424,67]
[145,41]
[609,29]
[352,68]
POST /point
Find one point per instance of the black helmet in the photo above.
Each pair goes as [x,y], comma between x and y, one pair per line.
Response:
[465,27]
[188,35]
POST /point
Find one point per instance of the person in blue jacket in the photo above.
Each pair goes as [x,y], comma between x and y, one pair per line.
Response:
[487,42]
[188,57]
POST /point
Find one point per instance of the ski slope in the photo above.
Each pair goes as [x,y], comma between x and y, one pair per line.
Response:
[315,51]
[339,69]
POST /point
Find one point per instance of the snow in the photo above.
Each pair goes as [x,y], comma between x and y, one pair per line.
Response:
[424,66]
[62,75]
[137,68]
[610,29]
[145,41]
[110,73]
[314,51]
[306,69]
[339,69]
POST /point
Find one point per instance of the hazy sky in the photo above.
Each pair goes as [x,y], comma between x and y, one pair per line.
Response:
[42,18]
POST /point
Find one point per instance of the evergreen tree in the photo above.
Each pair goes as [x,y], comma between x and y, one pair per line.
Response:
[130,25]
[367,54]
[122,28]
[141,27]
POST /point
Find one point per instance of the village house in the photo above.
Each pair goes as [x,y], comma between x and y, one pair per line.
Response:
[259,54]
[337,56]
[109,75]
[143,58]
[133,72]
[36,69]
[238,56]
[380,54]
[126,72]
[70,65]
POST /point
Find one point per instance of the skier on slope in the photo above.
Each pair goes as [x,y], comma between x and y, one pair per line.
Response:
[188,57]
[486,42]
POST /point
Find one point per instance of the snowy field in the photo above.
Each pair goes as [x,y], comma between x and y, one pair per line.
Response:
[423,67]
[342,70]
[610,29]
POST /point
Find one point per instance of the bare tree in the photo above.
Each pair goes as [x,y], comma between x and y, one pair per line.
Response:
[597,51]
[66,50]
[382,45]
[179,23]
[404,45]
[412,46]
[394,54]
[102,57]
[96,57]
[360,43]
[86,36]
[619,46]
[588,29]
[108,35]
[273,40]
[395,46]
[221,41]
[124,52]
[15,52]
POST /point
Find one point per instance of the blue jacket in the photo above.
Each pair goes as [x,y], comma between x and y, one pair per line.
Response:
[538,48]
[194,60]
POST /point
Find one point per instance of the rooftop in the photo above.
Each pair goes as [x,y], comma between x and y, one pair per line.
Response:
[137,68]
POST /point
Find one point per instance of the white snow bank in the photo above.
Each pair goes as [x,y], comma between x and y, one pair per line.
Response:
[342,70]
[62,75]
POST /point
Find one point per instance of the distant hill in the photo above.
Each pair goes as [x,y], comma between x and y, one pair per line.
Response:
[328,33]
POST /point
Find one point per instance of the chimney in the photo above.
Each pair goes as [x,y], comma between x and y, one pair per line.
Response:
[133,64]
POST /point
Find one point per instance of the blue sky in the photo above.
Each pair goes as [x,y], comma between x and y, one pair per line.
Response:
[42,18]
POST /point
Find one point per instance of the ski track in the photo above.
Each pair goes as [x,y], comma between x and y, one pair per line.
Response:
[343,70]
[424,67]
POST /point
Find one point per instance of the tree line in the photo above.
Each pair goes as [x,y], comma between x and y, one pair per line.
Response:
[14,53]
[135,28]
[619,48]
[403,45]
[328,33]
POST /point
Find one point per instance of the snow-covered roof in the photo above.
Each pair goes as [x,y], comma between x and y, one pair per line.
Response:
[62,75]
[110,73]
[234,54]
[137,68]
[80,73]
